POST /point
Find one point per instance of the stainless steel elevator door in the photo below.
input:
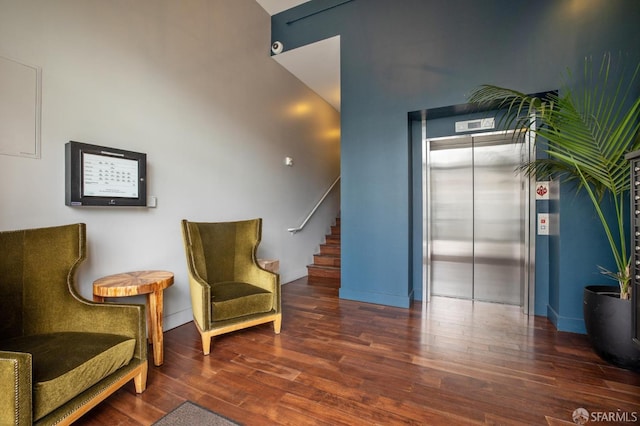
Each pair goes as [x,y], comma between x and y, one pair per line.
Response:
[477,211]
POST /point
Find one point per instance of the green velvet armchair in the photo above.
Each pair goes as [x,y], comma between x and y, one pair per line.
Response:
[229,290]
[60,354]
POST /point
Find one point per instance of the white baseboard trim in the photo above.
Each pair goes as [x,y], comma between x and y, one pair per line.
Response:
[177,319]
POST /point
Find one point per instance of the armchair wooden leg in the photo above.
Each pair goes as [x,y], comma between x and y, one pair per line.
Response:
[206,338]
[277,323]
[140,380]
[206,343]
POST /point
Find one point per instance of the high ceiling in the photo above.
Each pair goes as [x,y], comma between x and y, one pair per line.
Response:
[317,65]
[277,6]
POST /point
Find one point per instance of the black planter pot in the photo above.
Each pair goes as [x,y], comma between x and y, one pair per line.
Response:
[609,326]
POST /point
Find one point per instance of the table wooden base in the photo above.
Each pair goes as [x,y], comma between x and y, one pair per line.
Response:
[151,283]
[272,265]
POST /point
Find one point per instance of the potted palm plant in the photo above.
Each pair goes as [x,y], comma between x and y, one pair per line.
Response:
[586,134]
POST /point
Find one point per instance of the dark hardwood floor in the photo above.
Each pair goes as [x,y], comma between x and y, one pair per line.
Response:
[341,362]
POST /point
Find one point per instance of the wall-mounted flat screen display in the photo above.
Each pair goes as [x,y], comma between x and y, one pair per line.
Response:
[101,176]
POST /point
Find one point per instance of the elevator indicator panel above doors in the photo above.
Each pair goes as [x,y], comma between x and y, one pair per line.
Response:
[475,125]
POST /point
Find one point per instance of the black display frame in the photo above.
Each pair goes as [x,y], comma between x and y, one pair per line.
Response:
[74,180]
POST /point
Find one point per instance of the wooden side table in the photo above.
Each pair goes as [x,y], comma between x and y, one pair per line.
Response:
[151,283]
[272,265]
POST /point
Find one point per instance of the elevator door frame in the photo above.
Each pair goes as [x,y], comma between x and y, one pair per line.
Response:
[529,227]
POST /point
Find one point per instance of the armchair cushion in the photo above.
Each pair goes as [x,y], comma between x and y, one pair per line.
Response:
[67,363]
[232,299]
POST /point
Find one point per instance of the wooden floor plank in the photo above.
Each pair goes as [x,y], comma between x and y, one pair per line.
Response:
[341,362]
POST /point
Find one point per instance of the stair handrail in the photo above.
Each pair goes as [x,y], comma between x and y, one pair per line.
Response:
[313,210]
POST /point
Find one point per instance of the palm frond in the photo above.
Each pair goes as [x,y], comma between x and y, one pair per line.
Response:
[584,133]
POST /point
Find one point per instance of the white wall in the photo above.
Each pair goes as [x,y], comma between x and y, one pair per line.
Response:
[191,84]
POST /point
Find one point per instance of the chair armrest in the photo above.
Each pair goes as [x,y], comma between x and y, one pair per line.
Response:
[124,319]
[200,292]
[267,280]
[114,318]
[260,277]
[15,389]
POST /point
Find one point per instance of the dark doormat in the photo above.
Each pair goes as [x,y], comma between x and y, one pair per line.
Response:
[191,414]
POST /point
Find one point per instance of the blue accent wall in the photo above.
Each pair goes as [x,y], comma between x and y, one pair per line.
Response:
[399,56]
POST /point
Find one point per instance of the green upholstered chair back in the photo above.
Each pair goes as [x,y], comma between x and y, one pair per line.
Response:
[33,263]
[223,251]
